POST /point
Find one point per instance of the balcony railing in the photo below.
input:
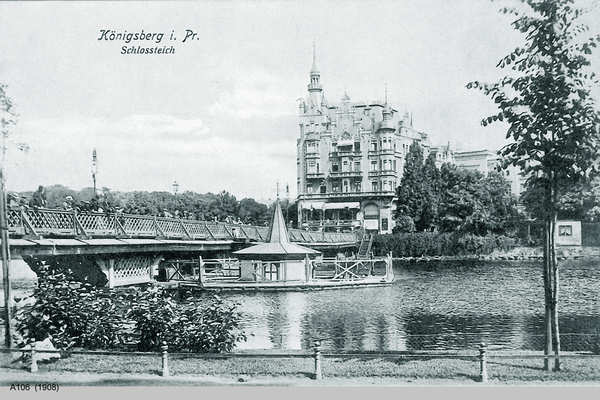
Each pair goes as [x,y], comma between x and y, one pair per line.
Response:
[315,175]
[345,174]
[337,195]
[385,172]
[332,223]
[334,154]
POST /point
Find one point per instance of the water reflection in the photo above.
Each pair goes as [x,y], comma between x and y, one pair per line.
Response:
[430,306]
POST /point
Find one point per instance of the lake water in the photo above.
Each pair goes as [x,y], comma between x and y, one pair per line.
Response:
[441,305]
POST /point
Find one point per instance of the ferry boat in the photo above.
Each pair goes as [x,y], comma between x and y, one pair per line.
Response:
[279,264]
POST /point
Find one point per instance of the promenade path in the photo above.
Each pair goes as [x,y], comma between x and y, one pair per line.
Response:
[65,379]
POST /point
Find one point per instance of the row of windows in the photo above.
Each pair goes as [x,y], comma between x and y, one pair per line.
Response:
[384,165]
[348,166]
[347,187]
[383,144]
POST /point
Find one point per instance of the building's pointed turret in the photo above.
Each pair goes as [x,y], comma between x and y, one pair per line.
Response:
[315,88]
[387,122]
[314,70]
[345,97]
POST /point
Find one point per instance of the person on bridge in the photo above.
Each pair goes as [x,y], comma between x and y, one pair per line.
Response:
[23,203]
[38,200]
[94,203]
[12,201]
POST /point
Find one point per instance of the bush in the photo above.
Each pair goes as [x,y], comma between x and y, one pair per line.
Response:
[430,244]
[189,324]
[72,314]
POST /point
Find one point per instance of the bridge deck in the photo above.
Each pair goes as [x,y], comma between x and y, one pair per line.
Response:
[58,247]
[58,232]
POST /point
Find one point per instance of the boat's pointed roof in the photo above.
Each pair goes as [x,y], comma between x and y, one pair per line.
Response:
[278,231]
[278,245]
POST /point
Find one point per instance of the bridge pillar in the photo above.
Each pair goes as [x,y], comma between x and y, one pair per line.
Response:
[129,269]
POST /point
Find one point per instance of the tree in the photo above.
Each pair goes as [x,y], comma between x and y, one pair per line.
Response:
[551,118]
[413,193]
[501,203]
[433,187]
[580,203]
[252,212]
[460,202]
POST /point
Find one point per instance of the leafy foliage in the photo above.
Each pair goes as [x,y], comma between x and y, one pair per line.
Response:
[452,199]
[189,324]
[417,197]
[474,203]
[203,207]
[72,314]
[430,244]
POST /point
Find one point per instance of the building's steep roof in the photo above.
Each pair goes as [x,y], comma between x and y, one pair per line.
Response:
[345,97]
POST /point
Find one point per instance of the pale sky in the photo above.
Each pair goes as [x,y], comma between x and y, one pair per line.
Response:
[221,113]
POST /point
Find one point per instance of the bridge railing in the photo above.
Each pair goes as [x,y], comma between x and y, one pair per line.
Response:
[61,223]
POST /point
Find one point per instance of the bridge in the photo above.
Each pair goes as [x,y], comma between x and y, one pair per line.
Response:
[128,248]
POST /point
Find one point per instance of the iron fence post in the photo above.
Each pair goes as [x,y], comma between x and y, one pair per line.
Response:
[318,373]
[482,362]
[34,366]
[165,364]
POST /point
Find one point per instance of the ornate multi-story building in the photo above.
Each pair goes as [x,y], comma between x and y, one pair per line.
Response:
[350,159]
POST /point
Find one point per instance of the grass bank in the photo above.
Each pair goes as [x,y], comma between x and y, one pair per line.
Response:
[457,370]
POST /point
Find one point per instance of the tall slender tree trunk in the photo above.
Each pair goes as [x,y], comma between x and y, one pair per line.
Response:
[547,294]
[554,278]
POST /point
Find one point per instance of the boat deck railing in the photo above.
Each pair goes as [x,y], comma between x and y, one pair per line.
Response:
[228,270]
[349,268]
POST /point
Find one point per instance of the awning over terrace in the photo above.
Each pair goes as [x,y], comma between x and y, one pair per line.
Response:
[341,206]
[315,205]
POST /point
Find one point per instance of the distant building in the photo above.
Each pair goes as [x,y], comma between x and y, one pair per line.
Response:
[442,155]
[350,159]
[486,161]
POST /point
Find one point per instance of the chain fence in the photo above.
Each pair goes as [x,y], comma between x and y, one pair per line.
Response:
[444,342]
[572,342]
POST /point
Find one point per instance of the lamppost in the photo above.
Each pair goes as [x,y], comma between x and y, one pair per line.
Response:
[94,168]
[175,188]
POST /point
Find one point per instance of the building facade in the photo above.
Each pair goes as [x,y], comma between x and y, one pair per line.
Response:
[350,159]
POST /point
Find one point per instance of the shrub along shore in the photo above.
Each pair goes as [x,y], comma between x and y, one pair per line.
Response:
[517,254]
[453,246]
